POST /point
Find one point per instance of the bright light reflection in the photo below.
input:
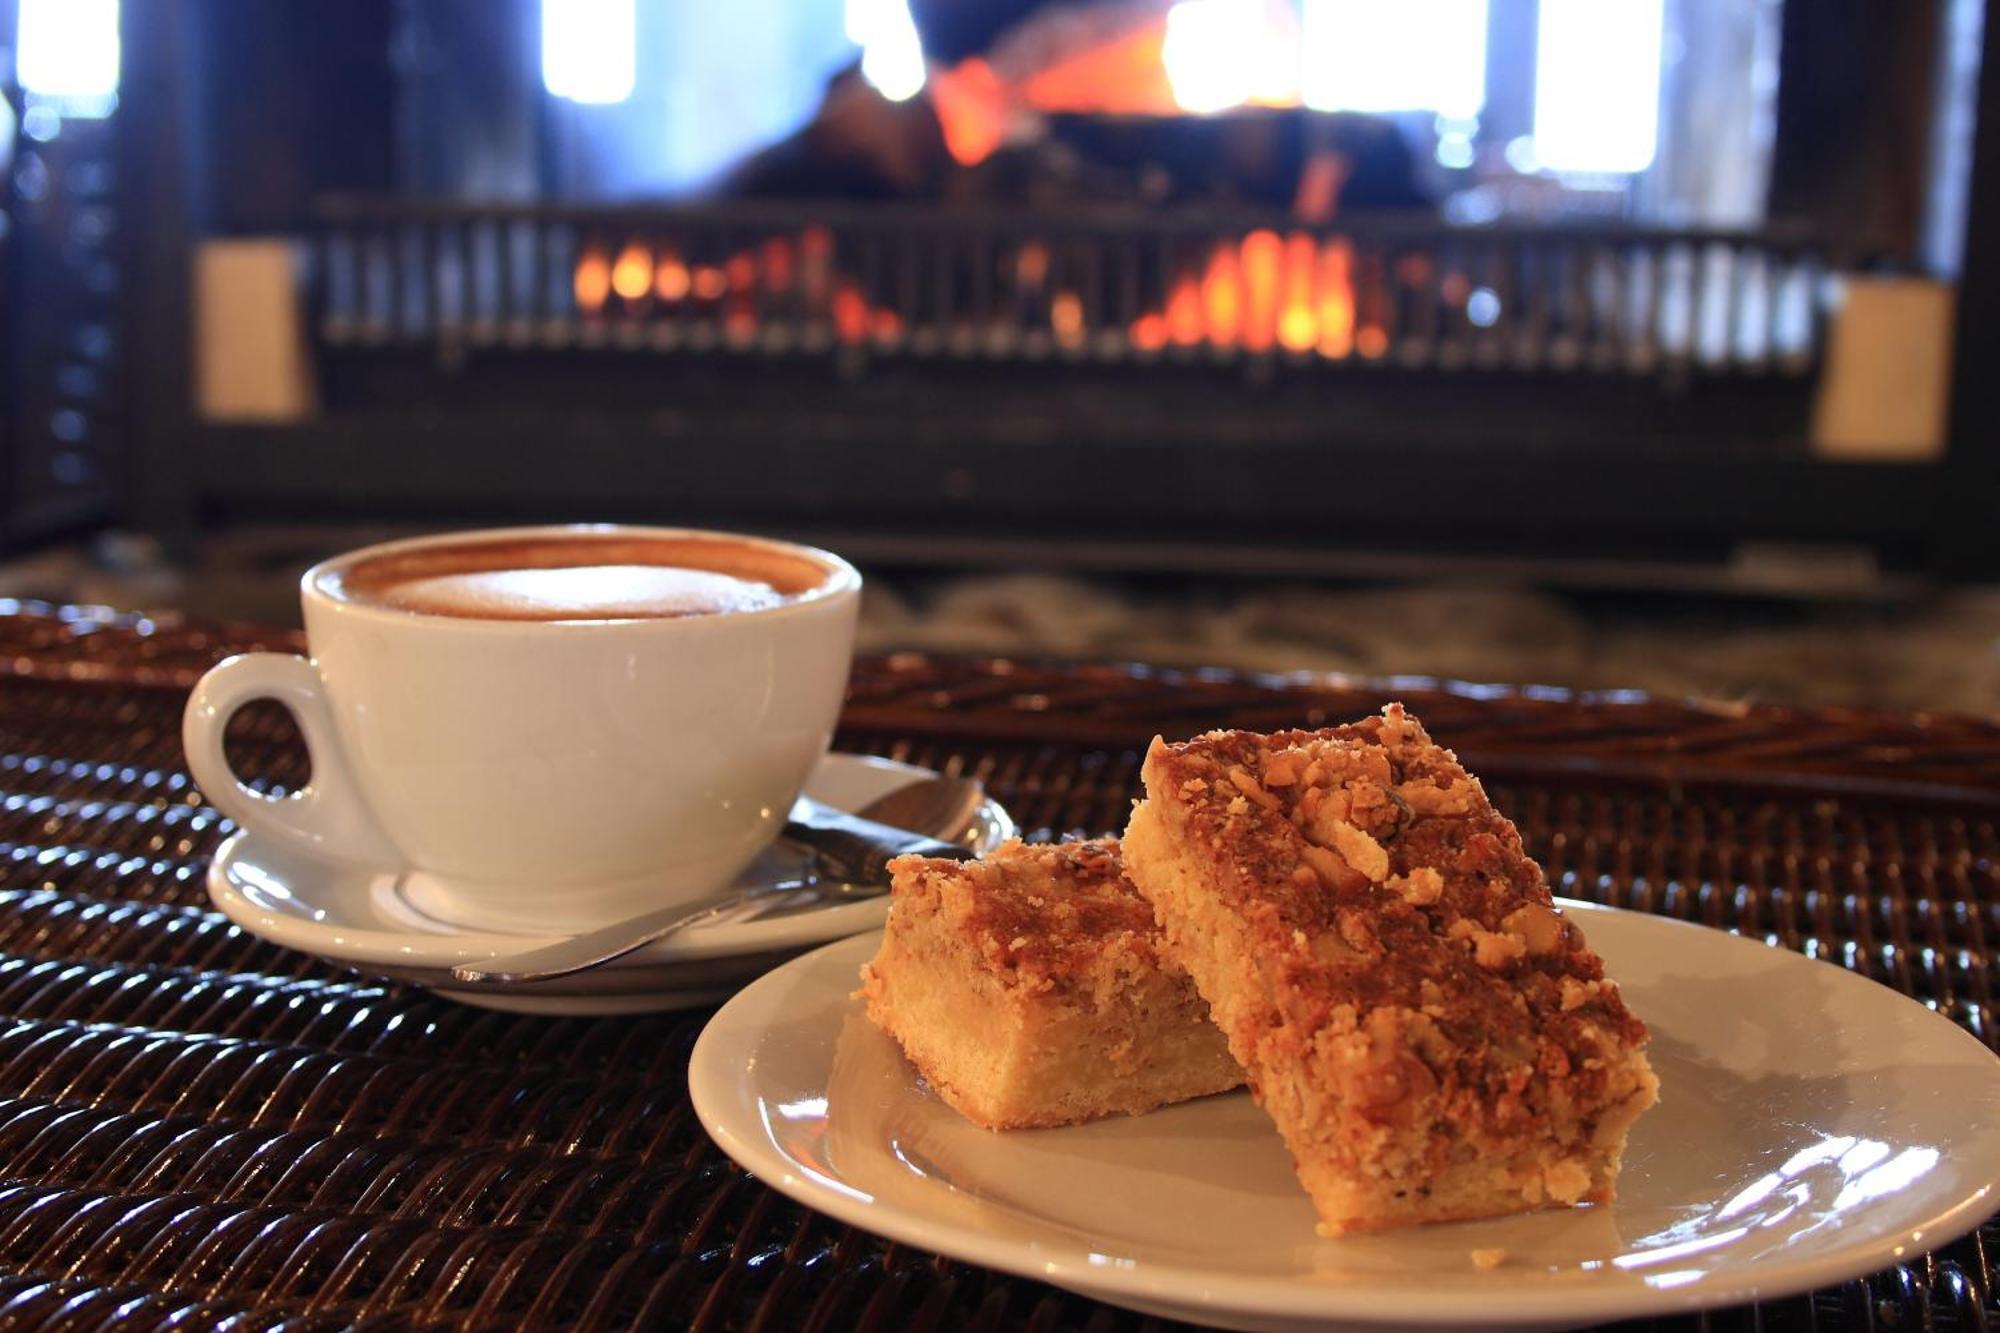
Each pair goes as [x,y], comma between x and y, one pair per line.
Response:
[589,50]
[1686,1249]
[806,1108]
[1754,1193]
[892,55]
[1862,1157]
[1415,55]
[69,49]
[258,881]
[1597,85]
[1894,1174]
[1826,1150]
[811,1170]
[1680,1277]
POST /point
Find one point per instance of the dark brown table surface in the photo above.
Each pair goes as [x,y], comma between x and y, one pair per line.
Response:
[199,1129]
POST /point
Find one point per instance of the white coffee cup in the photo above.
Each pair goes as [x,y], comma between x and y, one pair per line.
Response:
[540,775]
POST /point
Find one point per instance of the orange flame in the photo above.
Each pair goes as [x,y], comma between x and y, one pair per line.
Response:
[1184,312]
[1222,296]
[973,106]
[670,277]
[1125,73]
[1261,292]
[632,275]
[1298,321]
[1336,299]
[1263,260]
[592,281]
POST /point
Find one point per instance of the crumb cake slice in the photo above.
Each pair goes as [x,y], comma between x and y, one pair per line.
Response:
[1028,990]
[1433,1038]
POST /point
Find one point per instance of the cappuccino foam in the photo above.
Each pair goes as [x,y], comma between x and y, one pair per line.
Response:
[580,578]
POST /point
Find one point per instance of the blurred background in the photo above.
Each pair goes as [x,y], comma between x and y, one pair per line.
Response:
[1600,343]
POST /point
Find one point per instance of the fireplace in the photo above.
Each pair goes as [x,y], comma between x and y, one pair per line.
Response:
[1128,342]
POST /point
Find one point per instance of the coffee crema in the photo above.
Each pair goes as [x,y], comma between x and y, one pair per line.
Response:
[579,578]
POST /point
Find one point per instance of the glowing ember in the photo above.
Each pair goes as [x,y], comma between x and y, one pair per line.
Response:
[816,266]
[776,256]
[1031,264]
[1371,339]
[850,313]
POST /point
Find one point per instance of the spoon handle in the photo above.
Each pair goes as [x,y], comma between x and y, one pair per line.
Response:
[580,952]
[859,850]
[850,849]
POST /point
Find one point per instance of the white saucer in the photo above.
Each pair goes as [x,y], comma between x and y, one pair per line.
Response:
[1813,1126]
[365,918]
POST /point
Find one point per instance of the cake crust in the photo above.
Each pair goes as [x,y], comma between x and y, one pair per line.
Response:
[1029,989]
[1433,1037]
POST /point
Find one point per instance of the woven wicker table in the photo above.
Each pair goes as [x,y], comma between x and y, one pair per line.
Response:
[198,1128]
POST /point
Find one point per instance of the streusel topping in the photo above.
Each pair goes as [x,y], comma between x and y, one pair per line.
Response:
[1044,914]
[1382,886]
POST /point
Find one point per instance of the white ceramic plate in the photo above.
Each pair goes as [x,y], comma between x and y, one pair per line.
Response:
[365,919]
[1813,1126]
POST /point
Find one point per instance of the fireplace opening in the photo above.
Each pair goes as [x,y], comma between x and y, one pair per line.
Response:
[1581,283]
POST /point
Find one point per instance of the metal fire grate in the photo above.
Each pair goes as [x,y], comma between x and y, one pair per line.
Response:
[765,280]
[198,1129]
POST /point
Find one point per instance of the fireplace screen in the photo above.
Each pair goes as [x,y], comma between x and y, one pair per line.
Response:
[898,282]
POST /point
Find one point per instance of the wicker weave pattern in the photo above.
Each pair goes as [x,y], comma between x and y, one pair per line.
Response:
[198,1127]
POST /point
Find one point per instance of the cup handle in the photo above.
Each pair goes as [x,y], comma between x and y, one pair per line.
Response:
[327,818]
